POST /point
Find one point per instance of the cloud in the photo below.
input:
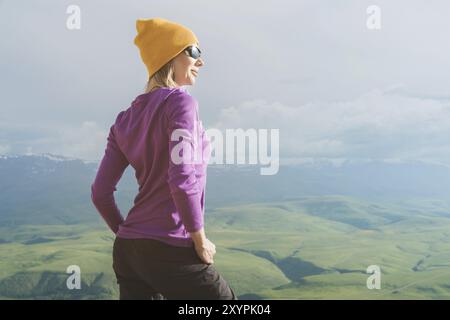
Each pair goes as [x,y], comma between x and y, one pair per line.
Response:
[88,141]
[376,125]
[4,148]
[380,124]
[85,141]
[312,56]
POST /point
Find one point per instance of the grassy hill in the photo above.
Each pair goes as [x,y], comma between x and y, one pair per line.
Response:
[314,247]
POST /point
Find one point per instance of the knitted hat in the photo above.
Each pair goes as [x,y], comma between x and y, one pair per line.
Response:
[160,40]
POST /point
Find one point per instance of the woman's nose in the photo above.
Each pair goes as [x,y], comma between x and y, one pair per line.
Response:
[200,62]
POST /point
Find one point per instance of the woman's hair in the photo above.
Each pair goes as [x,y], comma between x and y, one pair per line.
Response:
[164,77]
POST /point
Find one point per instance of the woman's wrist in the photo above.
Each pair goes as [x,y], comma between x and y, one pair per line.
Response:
[198,237]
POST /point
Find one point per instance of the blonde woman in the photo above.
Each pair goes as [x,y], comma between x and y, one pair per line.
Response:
[161,250]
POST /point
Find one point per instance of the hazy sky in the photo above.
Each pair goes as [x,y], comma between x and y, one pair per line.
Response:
[313,69]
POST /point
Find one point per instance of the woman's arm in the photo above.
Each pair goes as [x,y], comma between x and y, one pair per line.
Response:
[185,189]
[108,175]
[186,192]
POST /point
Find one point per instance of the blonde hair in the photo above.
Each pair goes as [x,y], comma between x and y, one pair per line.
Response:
[164,77]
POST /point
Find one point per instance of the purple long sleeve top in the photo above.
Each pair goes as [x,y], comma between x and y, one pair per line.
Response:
[171,198]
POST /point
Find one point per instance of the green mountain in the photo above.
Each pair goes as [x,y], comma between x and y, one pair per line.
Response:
[286,250]
[279,240]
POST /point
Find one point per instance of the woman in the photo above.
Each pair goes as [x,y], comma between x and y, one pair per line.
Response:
[161,250]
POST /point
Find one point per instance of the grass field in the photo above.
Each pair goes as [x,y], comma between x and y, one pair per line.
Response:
[305,248]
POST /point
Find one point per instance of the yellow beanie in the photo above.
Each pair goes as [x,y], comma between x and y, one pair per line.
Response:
[160,40]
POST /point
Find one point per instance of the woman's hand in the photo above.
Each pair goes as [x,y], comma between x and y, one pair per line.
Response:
[206,251]
[204,247]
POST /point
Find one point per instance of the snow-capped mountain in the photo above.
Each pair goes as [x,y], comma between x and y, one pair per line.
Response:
[48,188]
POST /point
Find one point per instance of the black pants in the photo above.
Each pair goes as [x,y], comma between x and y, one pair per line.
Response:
[148,269]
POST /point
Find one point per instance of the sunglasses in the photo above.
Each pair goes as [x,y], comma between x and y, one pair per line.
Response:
[193,52]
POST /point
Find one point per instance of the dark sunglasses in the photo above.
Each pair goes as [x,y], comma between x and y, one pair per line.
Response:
[193,52]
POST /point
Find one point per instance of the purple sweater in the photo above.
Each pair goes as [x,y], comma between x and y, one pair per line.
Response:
[171,198]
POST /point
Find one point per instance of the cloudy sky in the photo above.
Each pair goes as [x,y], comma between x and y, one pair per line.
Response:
[313,69]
